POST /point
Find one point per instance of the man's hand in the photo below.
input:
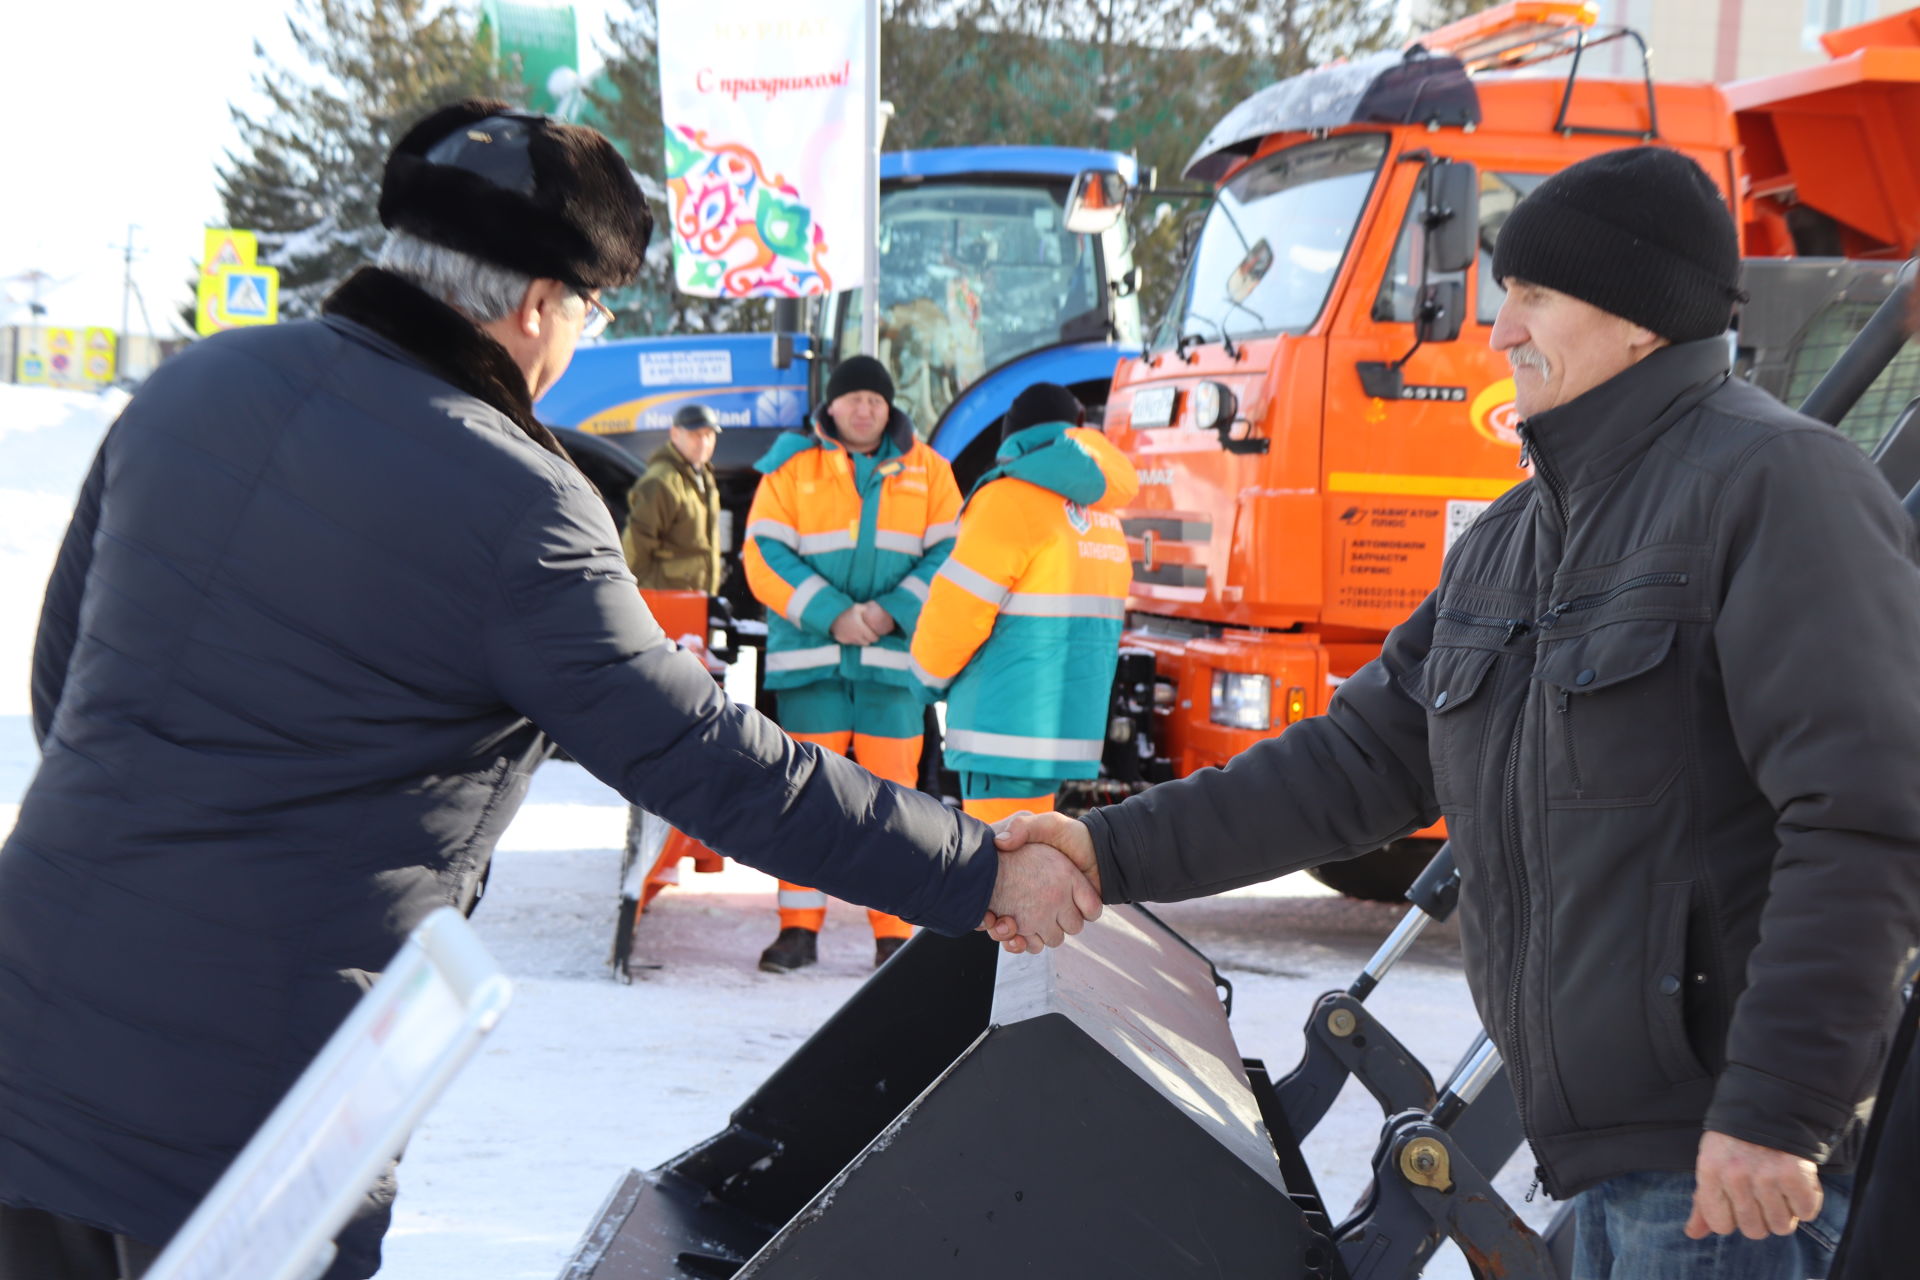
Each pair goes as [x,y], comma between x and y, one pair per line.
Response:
[876,618]
[1752,1189]
[1038,899]
[1064,834]
[851,627]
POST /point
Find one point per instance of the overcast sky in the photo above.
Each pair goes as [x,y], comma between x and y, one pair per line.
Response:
[116,113]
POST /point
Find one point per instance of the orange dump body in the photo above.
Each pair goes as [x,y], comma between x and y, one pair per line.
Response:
[1842,138]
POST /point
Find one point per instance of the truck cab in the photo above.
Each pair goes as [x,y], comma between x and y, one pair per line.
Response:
[1318,416]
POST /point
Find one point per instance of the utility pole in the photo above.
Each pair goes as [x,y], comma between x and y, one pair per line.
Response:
[126,286]
[123,350]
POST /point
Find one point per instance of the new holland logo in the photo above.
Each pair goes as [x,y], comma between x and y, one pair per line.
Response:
[1077,517]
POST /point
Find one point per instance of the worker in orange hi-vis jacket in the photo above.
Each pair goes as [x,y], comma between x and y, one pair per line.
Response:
[848,526]
[1022,628]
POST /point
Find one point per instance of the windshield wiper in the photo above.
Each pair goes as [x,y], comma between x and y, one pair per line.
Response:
[1226,339]
[1233,222]
[1258,319]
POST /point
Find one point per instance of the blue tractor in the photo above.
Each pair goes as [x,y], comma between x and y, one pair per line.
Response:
[999,267]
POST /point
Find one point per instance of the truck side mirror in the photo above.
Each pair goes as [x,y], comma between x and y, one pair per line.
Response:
[1098,198]
[1453,216]
[1440,317]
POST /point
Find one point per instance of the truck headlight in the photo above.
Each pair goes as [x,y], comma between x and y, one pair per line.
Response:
[1241,700]
[1214,406]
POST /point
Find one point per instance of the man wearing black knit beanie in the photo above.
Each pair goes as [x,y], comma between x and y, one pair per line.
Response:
[1663,696]
[1021,630]
[848,526]
[1607,262]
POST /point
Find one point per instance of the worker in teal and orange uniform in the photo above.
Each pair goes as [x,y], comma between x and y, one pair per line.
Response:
[847,528]
[1021,630]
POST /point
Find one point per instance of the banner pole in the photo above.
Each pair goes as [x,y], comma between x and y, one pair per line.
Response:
[870,189]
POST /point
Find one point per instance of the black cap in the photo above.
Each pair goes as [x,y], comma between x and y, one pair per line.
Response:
[696,417]
[859,373]
[547,199]
[1642,233]
[1040,403]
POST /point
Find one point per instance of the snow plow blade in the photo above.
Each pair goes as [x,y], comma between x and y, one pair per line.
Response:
[967,1113]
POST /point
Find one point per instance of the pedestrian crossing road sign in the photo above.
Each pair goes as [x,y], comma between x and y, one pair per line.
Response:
[246,295]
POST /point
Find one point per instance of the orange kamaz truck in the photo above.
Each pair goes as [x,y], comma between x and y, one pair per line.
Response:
[1318,415]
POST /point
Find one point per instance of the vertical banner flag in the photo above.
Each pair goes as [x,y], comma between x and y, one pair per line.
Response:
[764,108]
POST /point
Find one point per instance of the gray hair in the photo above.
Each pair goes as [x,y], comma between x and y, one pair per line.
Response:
[480,290]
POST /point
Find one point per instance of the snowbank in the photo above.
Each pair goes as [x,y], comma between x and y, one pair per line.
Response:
[47,441]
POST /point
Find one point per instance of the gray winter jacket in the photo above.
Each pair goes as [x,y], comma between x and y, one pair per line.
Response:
[1667,696]
[327,591]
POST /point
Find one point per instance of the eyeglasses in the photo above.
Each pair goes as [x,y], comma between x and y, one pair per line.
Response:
[598,317]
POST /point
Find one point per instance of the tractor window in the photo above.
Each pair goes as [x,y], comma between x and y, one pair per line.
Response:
[1499,192]
[1273,242]
[973,275]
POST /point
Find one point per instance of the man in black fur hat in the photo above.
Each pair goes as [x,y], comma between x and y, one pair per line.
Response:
[329,588]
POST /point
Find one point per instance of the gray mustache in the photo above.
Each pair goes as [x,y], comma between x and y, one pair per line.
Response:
[1527,356]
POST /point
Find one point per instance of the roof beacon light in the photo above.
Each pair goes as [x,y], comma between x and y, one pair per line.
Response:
[1513,34]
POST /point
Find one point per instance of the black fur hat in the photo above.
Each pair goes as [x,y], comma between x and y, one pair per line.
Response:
[547,199]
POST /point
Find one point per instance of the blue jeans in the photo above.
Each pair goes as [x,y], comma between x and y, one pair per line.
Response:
[1633,1227]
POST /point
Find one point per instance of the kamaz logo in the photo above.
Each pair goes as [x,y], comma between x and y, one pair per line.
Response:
[1077,517]
[1156,475]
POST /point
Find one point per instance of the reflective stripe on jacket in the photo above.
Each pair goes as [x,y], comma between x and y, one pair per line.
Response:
[1023,622]
[830,529]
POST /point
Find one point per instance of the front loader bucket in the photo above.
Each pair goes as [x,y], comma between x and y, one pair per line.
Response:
[1082,1112]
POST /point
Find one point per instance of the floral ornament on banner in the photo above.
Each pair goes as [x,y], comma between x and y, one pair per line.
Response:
[737,232]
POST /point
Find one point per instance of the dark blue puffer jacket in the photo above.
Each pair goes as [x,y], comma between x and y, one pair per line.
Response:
[323,592]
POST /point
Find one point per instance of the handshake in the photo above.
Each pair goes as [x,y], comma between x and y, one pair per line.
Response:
[1049,883]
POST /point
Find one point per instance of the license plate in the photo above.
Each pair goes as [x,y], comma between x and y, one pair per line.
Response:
[1153,407]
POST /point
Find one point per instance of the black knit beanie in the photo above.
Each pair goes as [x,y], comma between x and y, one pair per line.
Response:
[1040,403]
[1641,233]
[547,199]
[859,373]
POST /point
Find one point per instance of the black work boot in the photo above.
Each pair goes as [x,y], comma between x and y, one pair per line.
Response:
[795,948]
[883,949]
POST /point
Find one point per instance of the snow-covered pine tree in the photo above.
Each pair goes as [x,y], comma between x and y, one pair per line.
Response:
[306,176]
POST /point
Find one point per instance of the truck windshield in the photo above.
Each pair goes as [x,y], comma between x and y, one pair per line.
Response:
[971,276]
[1273,242]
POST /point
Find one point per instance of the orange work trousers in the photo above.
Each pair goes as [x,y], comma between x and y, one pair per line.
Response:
[994,808]
[896,760]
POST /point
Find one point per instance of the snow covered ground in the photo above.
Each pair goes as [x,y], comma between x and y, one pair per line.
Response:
[585,1078]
